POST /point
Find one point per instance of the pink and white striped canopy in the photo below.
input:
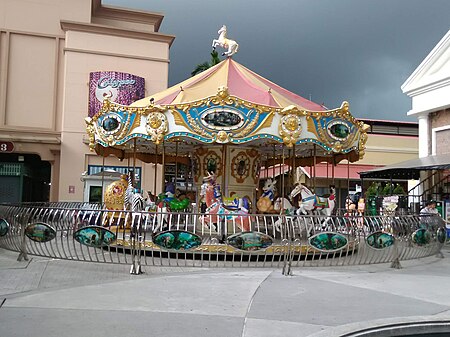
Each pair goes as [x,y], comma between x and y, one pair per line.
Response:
[240,81]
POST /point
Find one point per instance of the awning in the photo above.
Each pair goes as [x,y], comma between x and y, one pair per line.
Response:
[272,172]
[341,171]
[409,169]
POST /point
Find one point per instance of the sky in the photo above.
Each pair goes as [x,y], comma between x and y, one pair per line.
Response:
[329,51]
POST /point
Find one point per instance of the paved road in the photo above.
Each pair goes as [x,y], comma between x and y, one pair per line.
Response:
[54,298]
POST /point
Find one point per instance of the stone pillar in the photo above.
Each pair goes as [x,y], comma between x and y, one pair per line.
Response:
[424,136]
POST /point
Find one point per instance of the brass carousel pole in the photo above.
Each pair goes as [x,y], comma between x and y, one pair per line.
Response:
[294,169]
[103,177]
[163,175]
[156,167]
[134,162]
[224,163]
[273,163]
[327,171]
[348,175]
[291,171]
[282,176]
[332,168]
[176,164]
[314,168]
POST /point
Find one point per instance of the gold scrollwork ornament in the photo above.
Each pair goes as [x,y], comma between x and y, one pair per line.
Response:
[290,129]
[156,126]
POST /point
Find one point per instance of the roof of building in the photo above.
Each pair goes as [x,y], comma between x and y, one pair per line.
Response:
[410,169]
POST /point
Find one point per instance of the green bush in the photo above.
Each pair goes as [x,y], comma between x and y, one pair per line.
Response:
[398,190]
[373,190]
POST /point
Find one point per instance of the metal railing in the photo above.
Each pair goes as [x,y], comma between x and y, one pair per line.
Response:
[434,187]
[84,232]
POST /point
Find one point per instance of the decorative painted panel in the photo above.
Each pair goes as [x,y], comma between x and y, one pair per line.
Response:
[4,227]
[421,237]
[250,241]
[40,232]
[177,239]
[328,241]
[94,236]
[380,240]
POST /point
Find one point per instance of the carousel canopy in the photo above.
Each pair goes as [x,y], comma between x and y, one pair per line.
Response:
[240,81]
[227,104]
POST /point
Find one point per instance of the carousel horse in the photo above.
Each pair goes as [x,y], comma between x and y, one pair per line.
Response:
[168,200]
[133,201]
[284,206]
[310,202]
[265,202]
[150,202]
[216,210]
[167,203]
[223,42]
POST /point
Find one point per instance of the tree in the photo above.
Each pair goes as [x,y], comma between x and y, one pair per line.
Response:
[206,65]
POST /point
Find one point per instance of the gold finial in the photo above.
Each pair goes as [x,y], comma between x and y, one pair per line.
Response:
[222,92]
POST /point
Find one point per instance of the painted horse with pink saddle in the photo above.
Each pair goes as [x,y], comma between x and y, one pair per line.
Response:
[218,212]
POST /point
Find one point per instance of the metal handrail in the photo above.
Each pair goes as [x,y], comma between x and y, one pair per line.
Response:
[222,240]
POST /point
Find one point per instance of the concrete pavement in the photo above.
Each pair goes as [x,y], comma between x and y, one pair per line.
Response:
[44,297]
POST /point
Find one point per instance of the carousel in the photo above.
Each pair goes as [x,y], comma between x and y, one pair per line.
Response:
[225,126]
[230,122]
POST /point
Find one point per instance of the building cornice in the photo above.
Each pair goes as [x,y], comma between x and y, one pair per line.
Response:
[126,14]
[429,87]
[425,112]
[114,31]
[30,136]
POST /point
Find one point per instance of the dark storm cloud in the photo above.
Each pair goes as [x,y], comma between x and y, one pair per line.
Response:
[330,50]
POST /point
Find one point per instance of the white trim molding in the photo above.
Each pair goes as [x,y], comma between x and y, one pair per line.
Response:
[434,131]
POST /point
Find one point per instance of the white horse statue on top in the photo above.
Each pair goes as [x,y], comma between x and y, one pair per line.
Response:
[225,43]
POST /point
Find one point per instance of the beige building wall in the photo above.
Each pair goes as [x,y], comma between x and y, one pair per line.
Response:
[389,149]
[45,61]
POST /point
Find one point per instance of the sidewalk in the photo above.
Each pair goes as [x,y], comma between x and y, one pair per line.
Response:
[54,298]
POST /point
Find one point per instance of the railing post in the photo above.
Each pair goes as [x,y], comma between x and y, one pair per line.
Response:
[287,260]
[23,247]
[396,263]
[135,232]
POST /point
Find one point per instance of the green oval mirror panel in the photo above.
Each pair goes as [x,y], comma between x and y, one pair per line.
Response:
[40,232]
[328,241]
[380,240]
[110,124]
[177,239]
[94,236]
[4,227]
[250,241]
[222,119]
[421,237]
[339,130]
